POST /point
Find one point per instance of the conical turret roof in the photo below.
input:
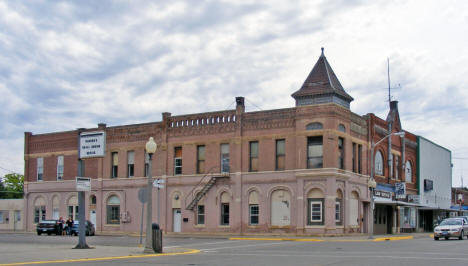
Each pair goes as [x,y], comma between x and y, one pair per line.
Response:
[322,81]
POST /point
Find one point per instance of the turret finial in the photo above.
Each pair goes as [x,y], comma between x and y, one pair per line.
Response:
[322,51]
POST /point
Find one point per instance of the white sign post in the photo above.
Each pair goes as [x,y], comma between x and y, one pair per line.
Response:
[92,144]
[83,183]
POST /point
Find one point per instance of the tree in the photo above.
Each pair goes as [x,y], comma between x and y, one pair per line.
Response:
[12,186]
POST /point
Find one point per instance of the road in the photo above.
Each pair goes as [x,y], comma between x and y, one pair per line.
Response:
[421,251]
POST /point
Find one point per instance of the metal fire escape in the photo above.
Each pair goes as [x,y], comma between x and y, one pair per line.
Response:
[193,198]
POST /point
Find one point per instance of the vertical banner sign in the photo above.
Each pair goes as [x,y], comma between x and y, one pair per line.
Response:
[92,144]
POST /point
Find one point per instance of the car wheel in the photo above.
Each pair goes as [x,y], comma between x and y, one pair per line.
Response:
[461,235]
[39,233]
[436,238]
[446,238]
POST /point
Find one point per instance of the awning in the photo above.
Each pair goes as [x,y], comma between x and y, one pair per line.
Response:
[394,202]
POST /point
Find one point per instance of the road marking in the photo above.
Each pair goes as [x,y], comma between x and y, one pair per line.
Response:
[192,251]
[243,246]
[335,256]
[393,238]
[202,244]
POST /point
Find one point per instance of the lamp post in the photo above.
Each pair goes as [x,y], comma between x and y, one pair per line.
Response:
[150,148]
[372,184]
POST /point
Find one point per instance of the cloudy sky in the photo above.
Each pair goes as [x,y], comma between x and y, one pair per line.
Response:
[71,64]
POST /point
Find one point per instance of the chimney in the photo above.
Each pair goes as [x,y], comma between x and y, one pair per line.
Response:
[240,107]
[101,125]
[393,105]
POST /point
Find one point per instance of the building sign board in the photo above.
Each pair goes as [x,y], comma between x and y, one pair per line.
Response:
[83,183]
[400,190]
[92,144]
[383,194]
[414,199]
[158,183]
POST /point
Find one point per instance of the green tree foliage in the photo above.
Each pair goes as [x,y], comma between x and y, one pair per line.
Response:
[12,186]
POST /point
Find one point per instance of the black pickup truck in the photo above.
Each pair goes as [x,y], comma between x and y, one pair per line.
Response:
[49,227]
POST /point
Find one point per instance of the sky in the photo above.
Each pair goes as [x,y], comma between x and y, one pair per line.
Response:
[72,64]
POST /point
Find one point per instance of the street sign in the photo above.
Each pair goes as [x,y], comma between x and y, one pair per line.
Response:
[92,144]
[142,195]
[83,184]
[158,183]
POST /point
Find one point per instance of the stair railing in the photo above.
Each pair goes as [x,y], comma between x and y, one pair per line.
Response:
[191,195]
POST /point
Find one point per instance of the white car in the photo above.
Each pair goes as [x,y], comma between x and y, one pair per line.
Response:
[451,227]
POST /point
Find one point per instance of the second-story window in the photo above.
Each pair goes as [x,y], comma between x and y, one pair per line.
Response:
[59,167]
[253,156]
[280,154]
[359,158]
[225,158]
[354,157]
[131,164]
[341,153]
[315,152]
[177,160]
[115,164]
[201,159]
[378,165]
[397,165]
[40,168]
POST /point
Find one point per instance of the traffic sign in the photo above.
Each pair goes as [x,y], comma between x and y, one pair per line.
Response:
[158,183]
[83,184]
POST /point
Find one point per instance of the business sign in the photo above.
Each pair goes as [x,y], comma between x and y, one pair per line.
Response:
[383,194]
[83,183]
[400,190]
[460,198]
[414,199]
[92,144]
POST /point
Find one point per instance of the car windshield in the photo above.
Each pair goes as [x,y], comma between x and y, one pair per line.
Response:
[451,222]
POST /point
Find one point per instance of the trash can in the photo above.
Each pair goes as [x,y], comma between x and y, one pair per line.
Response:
[157,238]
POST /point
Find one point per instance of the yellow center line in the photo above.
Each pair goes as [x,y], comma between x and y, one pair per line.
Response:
[321,240]
[192,251]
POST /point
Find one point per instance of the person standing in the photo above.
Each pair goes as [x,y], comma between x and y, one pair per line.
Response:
[61,226]
[69,226]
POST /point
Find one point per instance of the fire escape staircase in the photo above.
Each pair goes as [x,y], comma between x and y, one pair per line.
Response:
[197,194]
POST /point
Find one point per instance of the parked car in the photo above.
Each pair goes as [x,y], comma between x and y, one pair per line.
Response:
[451,227]
[49,227]
[464,217]
[90,231]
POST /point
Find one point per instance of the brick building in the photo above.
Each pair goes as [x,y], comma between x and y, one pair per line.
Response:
[299,170]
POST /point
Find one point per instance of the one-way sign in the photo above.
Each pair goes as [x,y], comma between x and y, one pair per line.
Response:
[158,183]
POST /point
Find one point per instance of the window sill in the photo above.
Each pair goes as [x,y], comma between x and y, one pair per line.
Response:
[199,226]
[112,225]
[224,226]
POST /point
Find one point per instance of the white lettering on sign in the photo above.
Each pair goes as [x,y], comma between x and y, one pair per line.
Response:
[92,144]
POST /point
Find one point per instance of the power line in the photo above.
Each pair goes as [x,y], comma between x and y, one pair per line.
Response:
[253,104]
[8,170]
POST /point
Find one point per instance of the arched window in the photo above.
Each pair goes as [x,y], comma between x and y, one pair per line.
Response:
[92,200]
[280,208]
[253,208]
[55,208]
[341,128]
[408,171]
[314,126]
[73,207]
[39,210]
[225,208]
[339,207]
[113,210]
[378,163]
[315,200]
[354,209]
[200,209]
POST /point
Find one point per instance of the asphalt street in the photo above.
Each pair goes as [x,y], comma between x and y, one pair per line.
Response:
[215,251]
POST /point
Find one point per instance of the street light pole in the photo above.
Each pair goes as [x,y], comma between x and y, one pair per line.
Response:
[150,150]
[372,184]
